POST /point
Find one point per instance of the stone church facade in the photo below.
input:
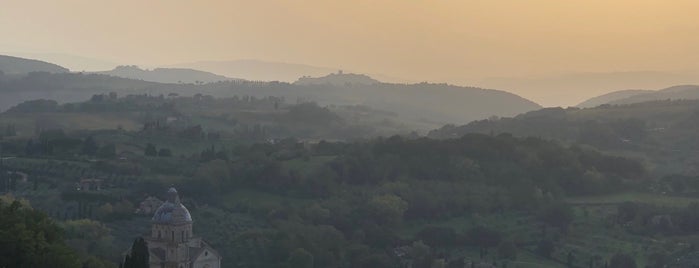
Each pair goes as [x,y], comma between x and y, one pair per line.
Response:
[172,243]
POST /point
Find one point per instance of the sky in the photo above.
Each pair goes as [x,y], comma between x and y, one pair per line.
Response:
[464,42]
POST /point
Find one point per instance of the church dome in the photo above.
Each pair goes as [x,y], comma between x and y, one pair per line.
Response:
[172,211]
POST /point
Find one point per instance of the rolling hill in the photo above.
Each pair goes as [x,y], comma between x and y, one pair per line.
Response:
[19,66]
[680,92]
[75,63]
[686,92]
[166,75]
[662,131]
[338,79]
[611,97]
[427,105]
[572,88]
[257,70]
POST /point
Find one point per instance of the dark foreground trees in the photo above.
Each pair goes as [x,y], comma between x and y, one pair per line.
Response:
[28,238]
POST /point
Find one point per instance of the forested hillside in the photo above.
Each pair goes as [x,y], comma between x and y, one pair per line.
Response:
[662,132]
[344,204]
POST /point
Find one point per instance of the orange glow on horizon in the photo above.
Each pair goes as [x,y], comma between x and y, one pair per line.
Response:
[461,42]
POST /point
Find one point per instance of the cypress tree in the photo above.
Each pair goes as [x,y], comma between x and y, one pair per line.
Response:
[139,256]
[151,150]
[90,147]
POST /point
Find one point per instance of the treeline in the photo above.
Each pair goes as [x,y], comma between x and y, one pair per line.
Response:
[112,103]
[202,117]
[541,166]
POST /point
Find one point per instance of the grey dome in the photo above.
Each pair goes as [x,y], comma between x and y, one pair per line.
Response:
[172,211]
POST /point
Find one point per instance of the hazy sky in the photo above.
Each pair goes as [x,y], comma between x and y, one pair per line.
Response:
[460,42]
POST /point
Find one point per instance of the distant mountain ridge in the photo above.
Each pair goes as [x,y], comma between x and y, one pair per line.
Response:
[257,70]
[338,79]
[683,92]
[74,63]
[610,97]
[573,88]
[680,92]
[166,75]
[16,66]
[425,105]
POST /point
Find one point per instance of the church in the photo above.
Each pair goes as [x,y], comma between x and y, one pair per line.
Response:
[172,243]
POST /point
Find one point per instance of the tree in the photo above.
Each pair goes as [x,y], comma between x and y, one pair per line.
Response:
[545,248]
[375,260]
[10,131]
[164,152]
[621,260]
[557,215]
[570,259]
[105,211]
[151,150]
[108,151]
[30,148]
[658,260]
[300,258]
[627,211]
[94,262]
[435,236]
[507,249]
[388,208]
[211,176]
[420,254]
[89,146]
[89,237]
[139,256]
[484,237]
